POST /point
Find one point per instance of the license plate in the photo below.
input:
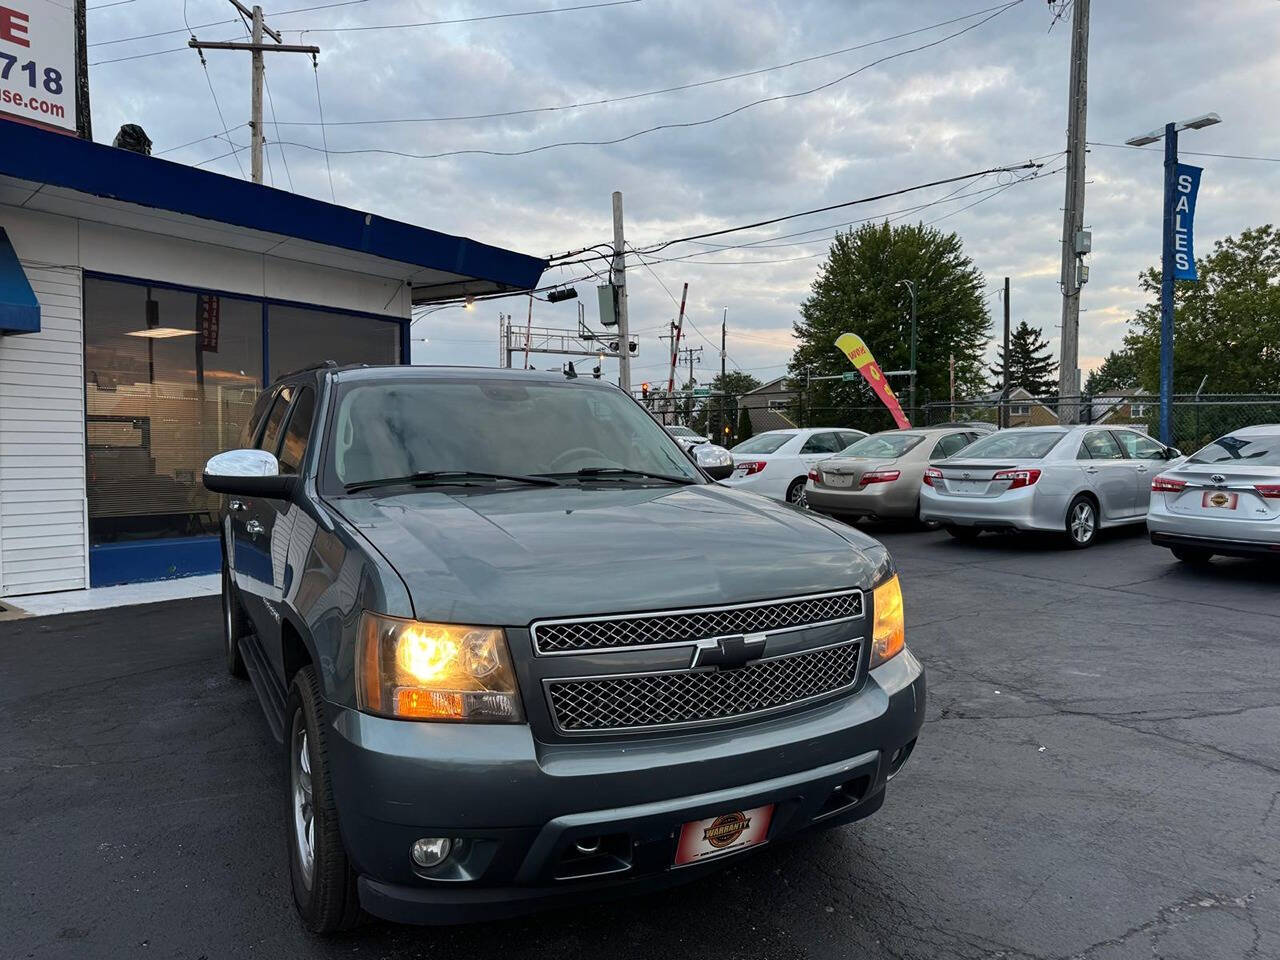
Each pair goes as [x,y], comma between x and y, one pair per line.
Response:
[966,486]
[719,836]
[1219,500]
[837,480]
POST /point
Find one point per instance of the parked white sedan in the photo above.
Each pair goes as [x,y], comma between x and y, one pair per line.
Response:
[776,464]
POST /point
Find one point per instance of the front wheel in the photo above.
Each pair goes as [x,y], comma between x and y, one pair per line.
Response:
[796,494]
[1192,555]
[1082,523]
[324,885]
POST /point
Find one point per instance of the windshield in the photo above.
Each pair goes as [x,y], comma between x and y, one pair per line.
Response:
[1014,444]
[1263,451]
[398,428]
[765,443]
[883,445]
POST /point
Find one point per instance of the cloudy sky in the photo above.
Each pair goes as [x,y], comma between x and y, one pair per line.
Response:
[994,94]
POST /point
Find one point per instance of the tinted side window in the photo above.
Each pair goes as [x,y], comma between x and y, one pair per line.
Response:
[1138,447]
[275,420]
[951,444]
[822,443]
[250,429]
[294,446]
[1100,445]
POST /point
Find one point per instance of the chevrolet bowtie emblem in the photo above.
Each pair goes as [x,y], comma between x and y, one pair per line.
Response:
[729,652]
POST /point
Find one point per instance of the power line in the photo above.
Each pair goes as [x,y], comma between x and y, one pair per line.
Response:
[1190,153]
[156,53]
[315,65]
[492,16]
[217,106]
[674,126]
[213,23]
[525,111]
[272,104]
[189,143]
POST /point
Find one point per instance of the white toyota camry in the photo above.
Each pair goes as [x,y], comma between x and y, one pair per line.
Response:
[776,464]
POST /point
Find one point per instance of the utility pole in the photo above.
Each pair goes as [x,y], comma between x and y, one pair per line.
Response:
[619,282]
[724,324]
[911,286]
[676,329]
[257,48]
[1004,364]
[1073,217]
[84,117]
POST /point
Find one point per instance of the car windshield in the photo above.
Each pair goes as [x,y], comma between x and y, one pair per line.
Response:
[398,428]
[883,445]
[1260,451]
[765,443]
[1014,444]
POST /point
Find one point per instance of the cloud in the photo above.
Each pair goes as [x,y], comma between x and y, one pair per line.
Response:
[995,95]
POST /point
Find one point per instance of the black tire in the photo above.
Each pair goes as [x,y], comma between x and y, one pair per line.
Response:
[1081,526]
[235,625]
[326,897]
[796,495]
[1192,555]
[963,533]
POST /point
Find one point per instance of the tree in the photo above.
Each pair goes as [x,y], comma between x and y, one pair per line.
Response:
[1030,364]
[857,291]
[721,408]
[1226,326]
[744,426]
[1118,373]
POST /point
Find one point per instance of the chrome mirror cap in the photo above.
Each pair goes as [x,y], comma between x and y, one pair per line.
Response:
[242,463]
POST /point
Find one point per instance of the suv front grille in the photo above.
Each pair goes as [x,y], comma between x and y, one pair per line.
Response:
[634,701]
[689,626]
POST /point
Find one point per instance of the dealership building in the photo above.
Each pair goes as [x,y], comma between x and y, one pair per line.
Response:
[143,306]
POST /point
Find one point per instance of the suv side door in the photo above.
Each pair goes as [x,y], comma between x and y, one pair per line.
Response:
[1148,458]
[1107,473]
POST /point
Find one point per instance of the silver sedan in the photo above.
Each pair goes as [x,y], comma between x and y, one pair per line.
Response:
[1069,480]
[879,476]
[1224,499]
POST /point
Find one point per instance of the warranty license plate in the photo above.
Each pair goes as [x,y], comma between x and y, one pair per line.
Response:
[718,836]
[1219,500]
[966,486]
[837,480]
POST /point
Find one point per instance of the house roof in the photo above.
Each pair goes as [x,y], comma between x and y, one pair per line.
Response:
[767,387]
[61,174]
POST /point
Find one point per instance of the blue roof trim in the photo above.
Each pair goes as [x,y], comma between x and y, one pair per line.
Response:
[93,168]
[19,308]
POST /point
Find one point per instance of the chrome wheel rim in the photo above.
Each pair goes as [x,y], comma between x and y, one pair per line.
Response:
[1082,523]
[304,821]
[799,497]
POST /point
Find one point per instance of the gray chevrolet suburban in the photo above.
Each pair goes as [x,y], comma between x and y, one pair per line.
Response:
[519,650]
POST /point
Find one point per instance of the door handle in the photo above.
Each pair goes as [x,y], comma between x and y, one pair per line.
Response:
[1090,469]
[253,528]
[1142,468]
[236,505]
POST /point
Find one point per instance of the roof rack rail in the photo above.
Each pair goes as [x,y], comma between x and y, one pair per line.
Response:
[318,365]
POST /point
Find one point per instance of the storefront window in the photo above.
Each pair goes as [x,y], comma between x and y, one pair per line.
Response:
[171,377]
[301,337]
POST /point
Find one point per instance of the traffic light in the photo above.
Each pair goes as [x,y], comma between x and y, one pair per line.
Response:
[727,431]
[644,390]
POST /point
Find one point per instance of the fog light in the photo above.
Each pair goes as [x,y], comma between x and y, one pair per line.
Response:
[431,851]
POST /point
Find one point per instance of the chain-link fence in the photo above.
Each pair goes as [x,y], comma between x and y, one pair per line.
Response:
[729,419]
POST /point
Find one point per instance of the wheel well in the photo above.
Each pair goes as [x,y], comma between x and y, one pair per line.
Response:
[1092,498]
[295,652]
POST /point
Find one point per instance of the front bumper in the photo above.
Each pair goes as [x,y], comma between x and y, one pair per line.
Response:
[520,806]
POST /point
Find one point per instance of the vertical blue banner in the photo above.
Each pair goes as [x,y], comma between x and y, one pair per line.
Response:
[1186,184]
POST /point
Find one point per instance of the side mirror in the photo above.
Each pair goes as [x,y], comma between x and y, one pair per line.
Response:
[248,473]
[1172,453]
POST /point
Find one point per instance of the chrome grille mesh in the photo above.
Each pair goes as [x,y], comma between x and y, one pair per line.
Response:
[661,699]
[688,626]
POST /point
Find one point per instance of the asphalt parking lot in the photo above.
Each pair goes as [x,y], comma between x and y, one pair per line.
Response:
[1099,776]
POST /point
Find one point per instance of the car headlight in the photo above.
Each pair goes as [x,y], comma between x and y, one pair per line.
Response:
[888,631]
[710,456]
[435,671]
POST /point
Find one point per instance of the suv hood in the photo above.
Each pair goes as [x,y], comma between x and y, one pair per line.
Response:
[508,557]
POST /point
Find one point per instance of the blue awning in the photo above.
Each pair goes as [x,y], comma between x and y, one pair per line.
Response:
[19,308]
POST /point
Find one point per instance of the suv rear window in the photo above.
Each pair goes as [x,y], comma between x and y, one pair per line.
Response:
[1260,451]
[1015,444]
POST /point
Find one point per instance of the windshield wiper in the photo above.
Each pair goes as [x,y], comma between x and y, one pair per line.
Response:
[606,472]
[426,478]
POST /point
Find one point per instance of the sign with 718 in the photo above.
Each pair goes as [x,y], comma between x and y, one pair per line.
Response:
[37,63]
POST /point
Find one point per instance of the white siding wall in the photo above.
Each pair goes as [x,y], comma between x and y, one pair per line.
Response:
[43,524]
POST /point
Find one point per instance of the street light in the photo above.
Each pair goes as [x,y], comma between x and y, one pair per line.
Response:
[911,286]
[1170,135]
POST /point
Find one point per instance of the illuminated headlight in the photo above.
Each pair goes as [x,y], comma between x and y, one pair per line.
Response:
[888,632]
[435,671]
